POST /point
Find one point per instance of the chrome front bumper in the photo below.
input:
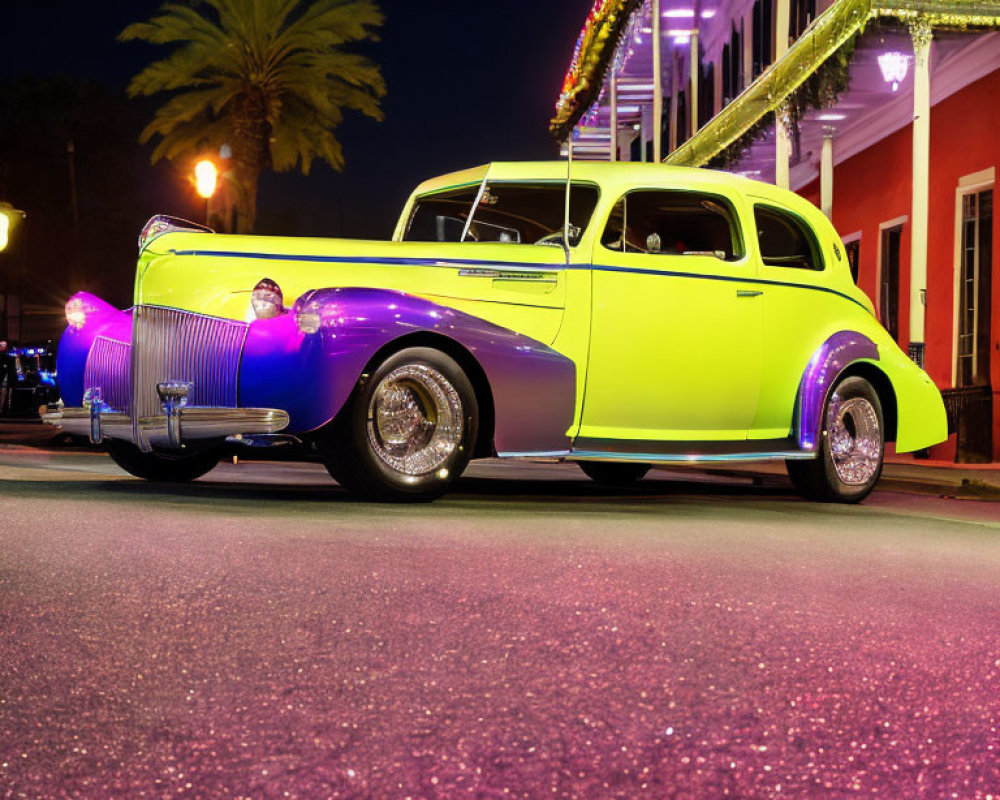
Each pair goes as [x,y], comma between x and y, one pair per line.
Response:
[195,422]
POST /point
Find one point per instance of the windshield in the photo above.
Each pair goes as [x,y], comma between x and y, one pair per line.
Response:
[517,213]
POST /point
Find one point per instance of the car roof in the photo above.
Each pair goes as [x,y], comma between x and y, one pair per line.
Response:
[598,171]
[620,175]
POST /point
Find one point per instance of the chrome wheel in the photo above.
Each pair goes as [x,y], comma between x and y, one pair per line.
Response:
[415,420]
[855,439]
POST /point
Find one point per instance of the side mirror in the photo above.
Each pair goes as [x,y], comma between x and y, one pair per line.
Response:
[653,243]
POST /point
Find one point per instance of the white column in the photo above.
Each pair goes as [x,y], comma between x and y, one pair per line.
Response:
[826,172]
[675,79]
[782,27]
[921,33]
[717,87]
[644,123]
[782,149]
[782,146]
[613,125]
[695,69]
[657,87]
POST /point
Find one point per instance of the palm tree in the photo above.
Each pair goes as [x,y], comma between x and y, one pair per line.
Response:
[267,77]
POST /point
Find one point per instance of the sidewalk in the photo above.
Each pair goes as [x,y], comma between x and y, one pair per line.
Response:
[901,473]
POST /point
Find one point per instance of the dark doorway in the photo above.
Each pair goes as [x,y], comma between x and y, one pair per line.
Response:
[973,397]
[975,285]
[889,280]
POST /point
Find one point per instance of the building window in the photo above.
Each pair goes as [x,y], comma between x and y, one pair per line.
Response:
[727,74]
[802,13]
[853,250]
[889,280]
[683,125]
[785,241]
[763,36]
[674,223]
[735,74]
[706,93]
[974,289]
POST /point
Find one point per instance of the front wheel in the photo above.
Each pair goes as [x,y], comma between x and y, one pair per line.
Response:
[161,467]
[408,431]
[849,462]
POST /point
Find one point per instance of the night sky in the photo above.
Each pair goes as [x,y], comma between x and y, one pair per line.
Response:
[468,82]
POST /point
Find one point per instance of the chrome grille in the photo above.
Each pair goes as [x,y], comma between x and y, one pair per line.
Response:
[171,345]
[108,368]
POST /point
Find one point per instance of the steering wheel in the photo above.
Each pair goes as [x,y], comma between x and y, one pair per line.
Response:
[554,238]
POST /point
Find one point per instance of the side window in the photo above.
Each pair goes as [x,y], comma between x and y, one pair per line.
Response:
[674,223]
[786,241]
[853,249]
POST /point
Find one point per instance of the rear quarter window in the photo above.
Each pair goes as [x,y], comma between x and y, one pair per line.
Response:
[786,240]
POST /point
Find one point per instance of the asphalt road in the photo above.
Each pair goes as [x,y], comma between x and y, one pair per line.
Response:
[257,634]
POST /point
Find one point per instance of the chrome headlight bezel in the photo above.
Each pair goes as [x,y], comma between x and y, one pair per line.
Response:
[267,300]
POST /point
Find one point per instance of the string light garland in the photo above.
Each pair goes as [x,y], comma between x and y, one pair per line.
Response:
[595,47]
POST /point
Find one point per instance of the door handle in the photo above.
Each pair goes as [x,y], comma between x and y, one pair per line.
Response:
[749,292]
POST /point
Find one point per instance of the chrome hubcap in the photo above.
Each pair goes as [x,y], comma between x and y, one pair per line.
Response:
[415,420]
[855,439]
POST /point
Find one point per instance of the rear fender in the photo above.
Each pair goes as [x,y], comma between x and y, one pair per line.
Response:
[830,359]
[912,405]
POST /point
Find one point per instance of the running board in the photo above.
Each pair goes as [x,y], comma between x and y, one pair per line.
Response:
[674,452]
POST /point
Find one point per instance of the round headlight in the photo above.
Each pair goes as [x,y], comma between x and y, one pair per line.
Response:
[308,317]
[267,300]
[76,313]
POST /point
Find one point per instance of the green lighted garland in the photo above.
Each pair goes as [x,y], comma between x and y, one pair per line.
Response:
[820,90]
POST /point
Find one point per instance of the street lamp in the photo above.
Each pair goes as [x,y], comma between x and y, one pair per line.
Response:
[206,179]
[9,218]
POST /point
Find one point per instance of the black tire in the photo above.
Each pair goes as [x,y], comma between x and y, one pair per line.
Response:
[368,448]
[611,473]
[161,467]
[845,471]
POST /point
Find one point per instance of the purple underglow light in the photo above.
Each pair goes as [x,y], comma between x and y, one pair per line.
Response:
[827,362]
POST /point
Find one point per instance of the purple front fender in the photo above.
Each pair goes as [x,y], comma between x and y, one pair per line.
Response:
[100,321]
[312,375]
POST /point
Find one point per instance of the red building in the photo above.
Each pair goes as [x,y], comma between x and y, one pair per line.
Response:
[884,113]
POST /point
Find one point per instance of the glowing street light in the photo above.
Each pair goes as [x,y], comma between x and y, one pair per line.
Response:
[10,217]
[206,177]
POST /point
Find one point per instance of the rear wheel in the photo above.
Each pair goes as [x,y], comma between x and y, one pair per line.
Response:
[610,473]
[849,462]
[161,467]
[408,431]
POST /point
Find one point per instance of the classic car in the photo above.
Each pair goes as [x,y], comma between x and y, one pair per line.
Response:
[27,378]
[618,316]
